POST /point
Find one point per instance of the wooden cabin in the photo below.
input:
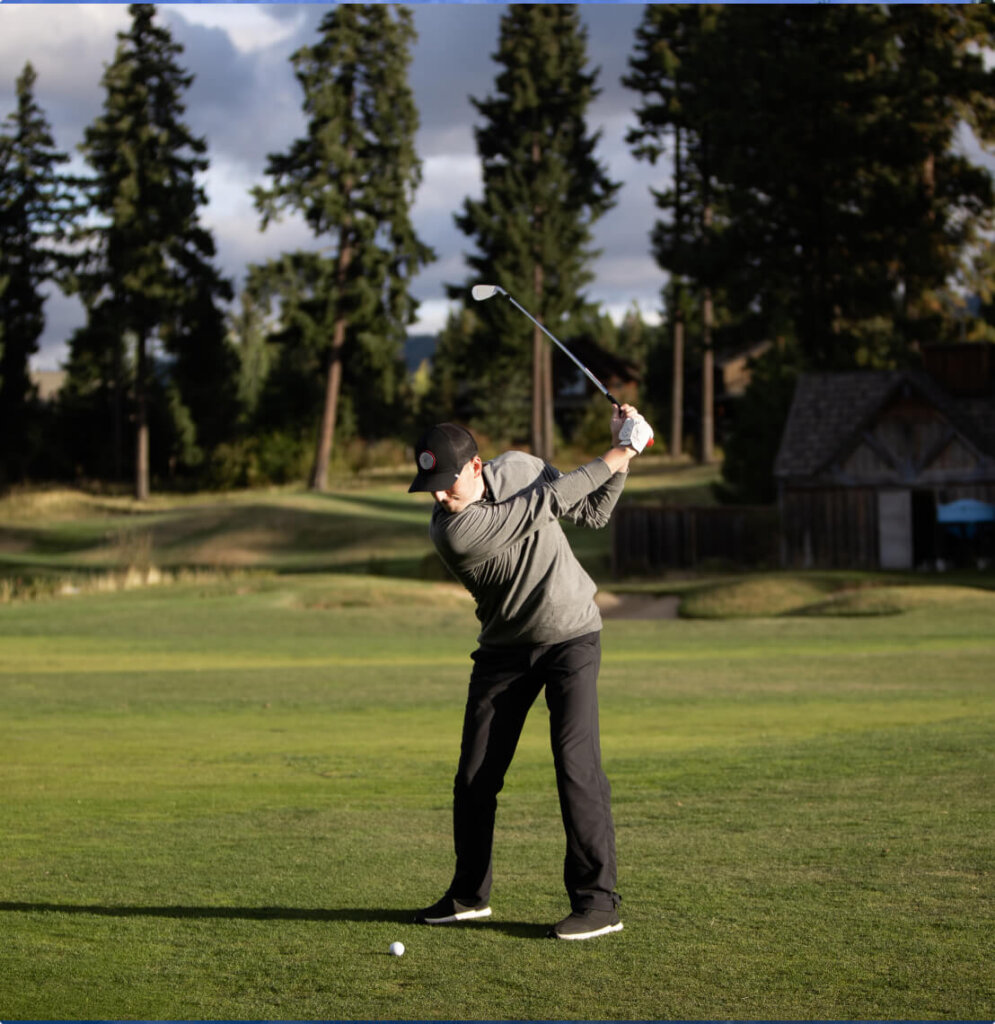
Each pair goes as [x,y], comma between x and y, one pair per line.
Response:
[868,459]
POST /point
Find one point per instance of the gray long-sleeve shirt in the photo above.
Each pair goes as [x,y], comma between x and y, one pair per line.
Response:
[510,552]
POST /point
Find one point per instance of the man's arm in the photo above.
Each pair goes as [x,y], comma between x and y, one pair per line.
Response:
[618,459]
[482,529]
[595,509]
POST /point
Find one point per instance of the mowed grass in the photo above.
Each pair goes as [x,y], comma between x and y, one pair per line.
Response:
[283,530]
[222,799]
[367,526]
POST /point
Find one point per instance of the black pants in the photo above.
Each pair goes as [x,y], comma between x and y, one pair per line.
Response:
[503,687]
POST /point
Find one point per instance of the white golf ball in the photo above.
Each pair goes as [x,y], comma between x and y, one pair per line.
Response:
[397,949]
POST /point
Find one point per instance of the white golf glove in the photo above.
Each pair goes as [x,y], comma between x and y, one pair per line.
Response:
[635,433]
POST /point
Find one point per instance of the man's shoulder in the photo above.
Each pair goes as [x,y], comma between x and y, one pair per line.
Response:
[513,471]
[515,459]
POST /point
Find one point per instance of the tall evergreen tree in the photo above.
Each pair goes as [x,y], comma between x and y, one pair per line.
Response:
[849,202]
[35,207]
[681,75]
[821,143]
[353,178]
[148,270]
[93,403]
[248,331]
[543,191]
[940,203]
[811,159]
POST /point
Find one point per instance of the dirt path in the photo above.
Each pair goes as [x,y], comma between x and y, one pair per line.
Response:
[637,606]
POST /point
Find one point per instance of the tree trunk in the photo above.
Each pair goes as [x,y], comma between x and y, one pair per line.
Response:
[538,391]
[542,380]
[707,447]
[542,357]
[542,396]
[117,412]
[548,400]
[707,454]
[333,375]
[677,294]
[326,431]
[141,422]
[677,384]
[542,400]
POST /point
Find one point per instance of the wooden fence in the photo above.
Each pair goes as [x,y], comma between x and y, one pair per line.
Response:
[830,528]
[653,539]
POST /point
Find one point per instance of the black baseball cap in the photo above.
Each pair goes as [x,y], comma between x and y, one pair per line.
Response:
[440,454]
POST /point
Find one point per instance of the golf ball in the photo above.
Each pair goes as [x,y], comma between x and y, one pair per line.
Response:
[397,949]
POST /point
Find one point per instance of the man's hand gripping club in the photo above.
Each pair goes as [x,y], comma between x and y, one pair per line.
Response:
[635,432]
[630,435]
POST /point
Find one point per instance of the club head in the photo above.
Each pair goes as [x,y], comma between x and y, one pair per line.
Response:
[485,291]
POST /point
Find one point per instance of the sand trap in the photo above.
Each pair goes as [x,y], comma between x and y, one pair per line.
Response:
[637,606]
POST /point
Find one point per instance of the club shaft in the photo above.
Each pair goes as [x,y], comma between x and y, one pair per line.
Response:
[552,337]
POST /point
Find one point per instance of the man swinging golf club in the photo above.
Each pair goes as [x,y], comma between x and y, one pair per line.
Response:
[496,527]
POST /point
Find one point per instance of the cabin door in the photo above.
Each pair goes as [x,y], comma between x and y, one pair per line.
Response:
[895,529]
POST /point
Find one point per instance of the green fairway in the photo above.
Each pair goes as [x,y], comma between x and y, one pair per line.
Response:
[373,526]
[221,799]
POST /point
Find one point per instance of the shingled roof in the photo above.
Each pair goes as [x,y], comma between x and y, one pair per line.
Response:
[829,410]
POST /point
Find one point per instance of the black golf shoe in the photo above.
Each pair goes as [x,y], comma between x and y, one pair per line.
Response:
[451,911]
[586,924]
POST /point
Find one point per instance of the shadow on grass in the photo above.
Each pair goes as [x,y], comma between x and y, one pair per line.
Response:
[522,929]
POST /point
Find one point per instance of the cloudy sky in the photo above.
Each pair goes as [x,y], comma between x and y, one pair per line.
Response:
[246,103]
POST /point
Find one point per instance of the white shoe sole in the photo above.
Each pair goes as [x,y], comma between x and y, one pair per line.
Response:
[464,915]
[608,928]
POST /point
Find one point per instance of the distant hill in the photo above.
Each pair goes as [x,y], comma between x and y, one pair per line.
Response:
[417,348]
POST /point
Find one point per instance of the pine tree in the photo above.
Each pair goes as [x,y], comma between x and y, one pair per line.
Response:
[35,208]
[679,74]
[658,70]
[543,191]
[248,331]
[850,204]
[811,157]
[353,178]
[148,269]
[817,146]
[92,403]
[940,204]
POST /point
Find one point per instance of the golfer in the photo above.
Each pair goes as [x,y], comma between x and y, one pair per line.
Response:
[496,527]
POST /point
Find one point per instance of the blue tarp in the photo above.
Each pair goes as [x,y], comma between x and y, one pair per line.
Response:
[967,510]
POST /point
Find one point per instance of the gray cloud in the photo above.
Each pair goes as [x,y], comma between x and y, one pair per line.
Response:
[453,61]
[68,53]
[246,102]
[223,103]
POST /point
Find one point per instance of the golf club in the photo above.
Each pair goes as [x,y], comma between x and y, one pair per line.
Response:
[481,292]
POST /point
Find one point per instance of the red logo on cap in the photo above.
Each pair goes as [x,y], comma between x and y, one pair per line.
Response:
[426,460]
